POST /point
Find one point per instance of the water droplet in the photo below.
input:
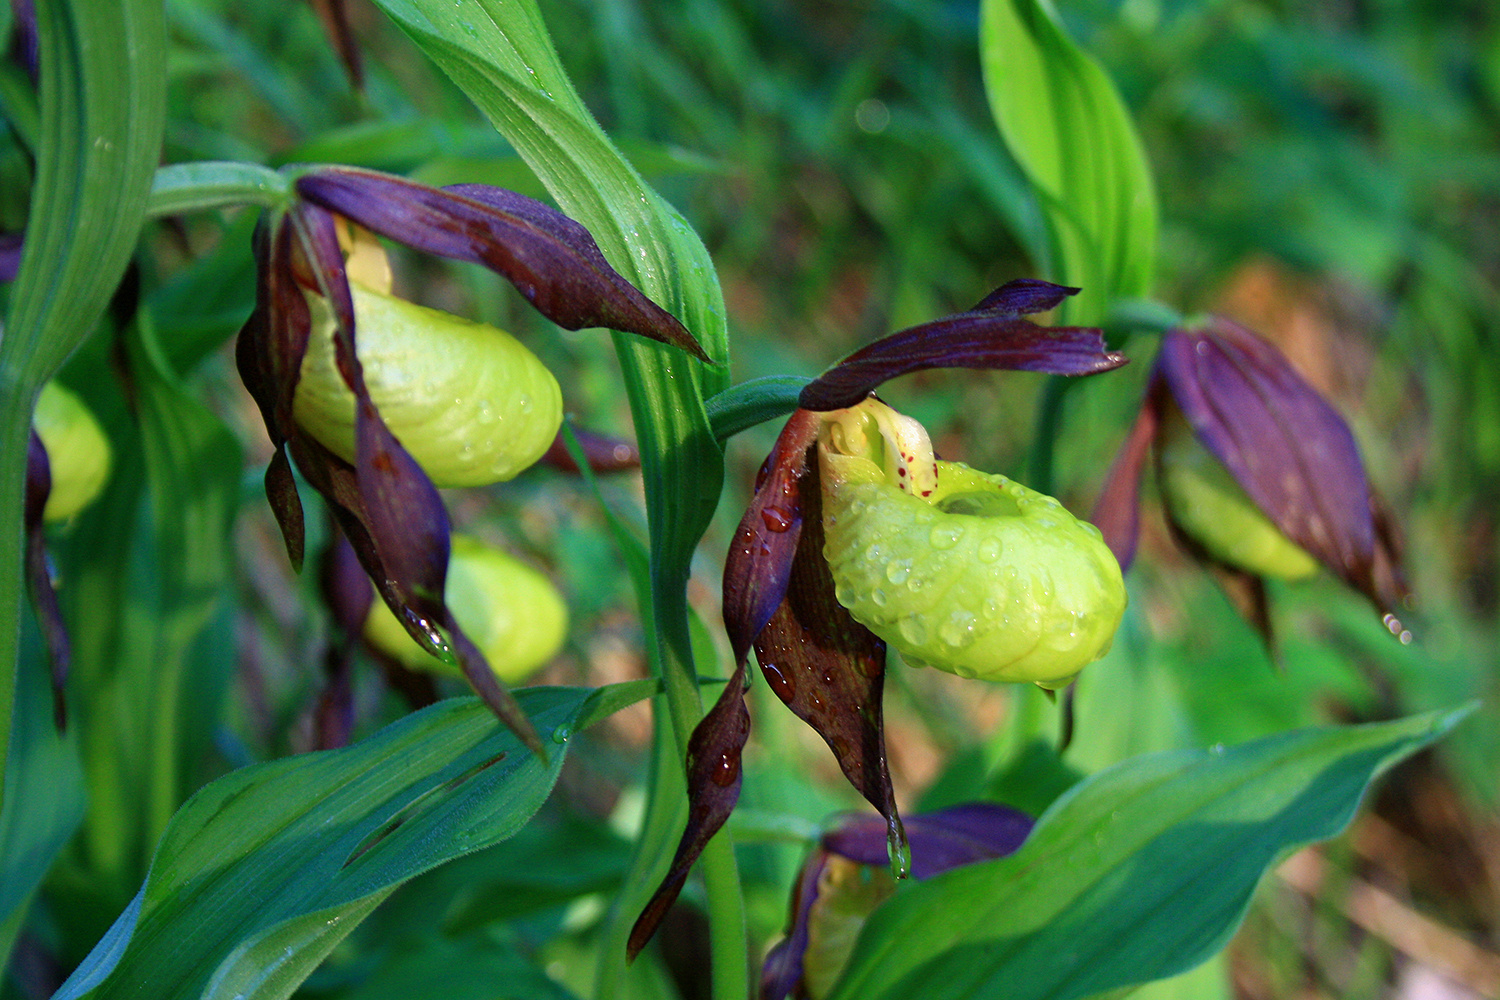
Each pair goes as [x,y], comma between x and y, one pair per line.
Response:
[957,630]
[562,734]
[898,571]
[525,403]
[916,583]
[880,597]
[899,851]
[945,536]
[914,630]
[991,549]
[1217,749]
[780,683]
[725,770]
[775,519]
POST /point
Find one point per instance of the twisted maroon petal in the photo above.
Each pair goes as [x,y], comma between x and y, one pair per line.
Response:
[552,260]
[990,336]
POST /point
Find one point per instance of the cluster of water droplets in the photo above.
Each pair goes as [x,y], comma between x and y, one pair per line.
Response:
[978,584]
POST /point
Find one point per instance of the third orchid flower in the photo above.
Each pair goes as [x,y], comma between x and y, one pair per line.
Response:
[1260,475]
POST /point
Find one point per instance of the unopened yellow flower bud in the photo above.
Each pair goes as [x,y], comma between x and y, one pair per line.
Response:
[511,612]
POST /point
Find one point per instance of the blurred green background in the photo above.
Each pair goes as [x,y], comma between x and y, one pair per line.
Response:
[1329,174]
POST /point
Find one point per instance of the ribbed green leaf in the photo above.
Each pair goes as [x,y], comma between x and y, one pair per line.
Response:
[499,53]
[1139,872]
[103,103]
[1064,122]
[262,872]
[45,801]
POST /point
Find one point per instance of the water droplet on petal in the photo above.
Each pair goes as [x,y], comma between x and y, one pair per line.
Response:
[957,630]
[780,683]
[945,536]
[914,630]
[775,519]
[898,571]
[990,549]
[725,770]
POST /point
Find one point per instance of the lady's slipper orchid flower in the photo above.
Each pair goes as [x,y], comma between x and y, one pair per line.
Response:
[848,876]
[310,323]
[1260,476]
[983,558]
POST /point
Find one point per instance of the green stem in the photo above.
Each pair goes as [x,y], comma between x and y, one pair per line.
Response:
[16,405]
[1048,426]
[742,406]
[192,187]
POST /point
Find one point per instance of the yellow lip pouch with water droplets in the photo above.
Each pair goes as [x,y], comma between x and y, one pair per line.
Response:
[967,572]
[468,401]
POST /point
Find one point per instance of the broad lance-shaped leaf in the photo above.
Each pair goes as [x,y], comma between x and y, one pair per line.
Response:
[265,870]
[991,335]
[1063,121]
[1139,872]
[551,259]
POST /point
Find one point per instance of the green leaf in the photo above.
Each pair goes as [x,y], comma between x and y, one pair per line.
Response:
[1064,122]
[144,570]
[458,970]
[1140,872]
[500,54]
[262,872]
[102,106]
[46,799]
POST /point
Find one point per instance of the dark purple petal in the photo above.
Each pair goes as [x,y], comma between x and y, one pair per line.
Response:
[1024,296]
[39,576]
[348,594]
[759,563]
[10,255]
[603,453]
[830,670]
[1284,444]
[989,336]
[335,17]
[782,971]
[25,43]
[552,260]
[940,840]
[286,505]
[1117,514]
[713,781]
